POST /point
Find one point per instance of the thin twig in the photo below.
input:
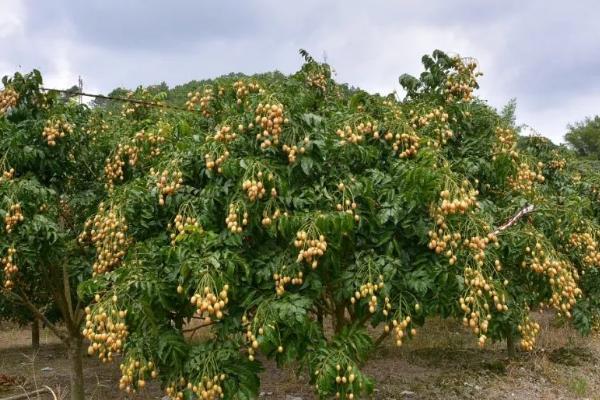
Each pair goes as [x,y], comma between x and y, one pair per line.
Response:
[194,329]
[28,395]
[51,392]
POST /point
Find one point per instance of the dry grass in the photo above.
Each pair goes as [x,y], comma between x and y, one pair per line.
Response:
[442,362]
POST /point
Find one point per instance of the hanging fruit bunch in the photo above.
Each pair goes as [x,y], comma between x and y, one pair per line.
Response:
[10,268]
[56,129]
[106,329]
[8,99]
[167,183]
[107,231]
[269,119]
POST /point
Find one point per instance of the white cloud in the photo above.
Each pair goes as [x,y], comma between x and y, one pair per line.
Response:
[552,121]
[552,72]
[12,18]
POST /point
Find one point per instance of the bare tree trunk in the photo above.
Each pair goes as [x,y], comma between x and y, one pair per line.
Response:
[510,345]
[339,318]
[35,334]
[320,317]
[76,358]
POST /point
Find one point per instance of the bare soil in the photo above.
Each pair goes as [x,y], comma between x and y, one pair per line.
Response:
[442,362]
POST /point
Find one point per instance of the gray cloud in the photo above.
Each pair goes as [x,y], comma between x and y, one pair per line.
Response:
[544,53]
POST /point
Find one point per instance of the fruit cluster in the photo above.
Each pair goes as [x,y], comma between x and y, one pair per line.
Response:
[13,217]
[293,150]
[369,290]
[113,168]
[268,219]
[281,279]
[437,120]
[209,304]
[506,144]
[405,145]
[232,219]
[134,374]
[441,240]
[242,90]
[8,99]
[317,80]
[311,249]
[108,232]
[55,129]
[558,164]
[347,204]
[212,162]
[526,178]
[561,275]
[460,85]
[95,125]
[225,134]
[181,226]
[345,377]
[586,242]
[528,330]
[201,101]
[357,135]
[174,390]
[10,268]
[254,189]
[7,175]
[106,330]
[167,183]
[142,102]
[207,387]
[476,305]
[251,338]
[348,207]
[478,245]
[153,139]
[400,328]
[269,117]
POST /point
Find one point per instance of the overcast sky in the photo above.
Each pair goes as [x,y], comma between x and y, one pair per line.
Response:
[545,53]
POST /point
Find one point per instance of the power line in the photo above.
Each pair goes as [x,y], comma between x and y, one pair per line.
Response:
[123,99]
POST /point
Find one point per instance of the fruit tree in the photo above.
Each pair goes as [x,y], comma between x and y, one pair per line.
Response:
[294,218]
[50,181]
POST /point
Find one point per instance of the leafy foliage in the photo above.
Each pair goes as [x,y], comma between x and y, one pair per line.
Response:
[584,137]
[284,215]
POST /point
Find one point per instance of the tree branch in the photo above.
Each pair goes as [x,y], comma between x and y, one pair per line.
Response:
[23,299]
[523,212]
[381,338]
[67,291]
[56,285]
[197,328]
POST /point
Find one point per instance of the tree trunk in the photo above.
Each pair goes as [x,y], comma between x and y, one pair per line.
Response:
[510,345]
[340,318]
[35,334]
[320,318]
[76,358]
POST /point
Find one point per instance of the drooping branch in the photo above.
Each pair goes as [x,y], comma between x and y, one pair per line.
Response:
[515,218]
[22,297]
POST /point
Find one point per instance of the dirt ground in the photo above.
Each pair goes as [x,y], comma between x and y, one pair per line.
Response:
[442,362]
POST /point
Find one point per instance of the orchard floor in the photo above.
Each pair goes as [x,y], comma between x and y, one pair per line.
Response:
[442,362]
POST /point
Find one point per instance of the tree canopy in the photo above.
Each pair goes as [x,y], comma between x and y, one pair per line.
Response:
[584,137]
[297,219]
